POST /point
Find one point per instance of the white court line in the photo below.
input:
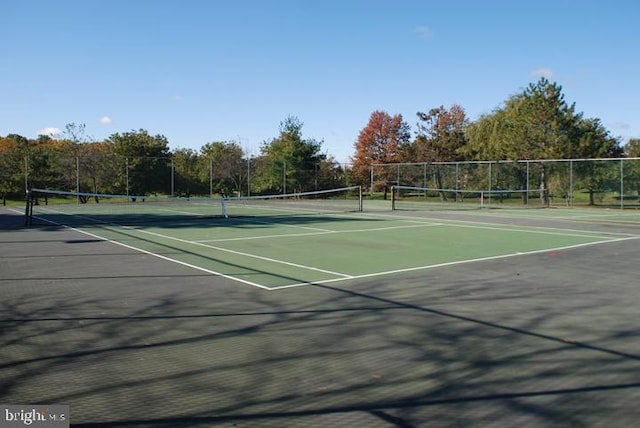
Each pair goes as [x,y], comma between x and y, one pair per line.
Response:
[285,225]
[343,277]
[590,217]
[502,227]
[550,231]
[239,253]
[225,250]
[184,212]
[160,256]
[578,216]
[425,267]
[328,232]
[422,222]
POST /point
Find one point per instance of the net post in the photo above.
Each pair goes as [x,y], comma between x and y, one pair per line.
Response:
[393,198]
[28,212]
[360,204]
[223,204]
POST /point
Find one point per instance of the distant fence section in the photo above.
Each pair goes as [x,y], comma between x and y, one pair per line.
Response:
[164,175]
[560,182]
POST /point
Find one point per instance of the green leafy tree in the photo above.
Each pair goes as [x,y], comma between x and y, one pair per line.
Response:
[329,174]
[441,138]
[532,125]
[291,161]
[632,167]
[544,120]
[592,140]
[187,174]
[98,167]
[441,135]
[22,160]
[92,161]
[632,148]
[224,163]
[61,158]
[538,124]
[11,169]
[145,162]
[46,163]
[63,164]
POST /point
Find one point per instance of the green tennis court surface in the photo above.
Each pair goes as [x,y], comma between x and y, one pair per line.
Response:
[486,318]
[277,249]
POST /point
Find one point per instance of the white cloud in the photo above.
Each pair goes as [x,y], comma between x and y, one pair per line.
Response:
[423,31]
[178,98]
[621,125]
[105,120]
[547,73]
[50,132]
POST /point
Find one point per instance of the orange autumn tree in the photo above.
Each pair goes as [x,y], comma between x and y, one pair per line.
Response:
[381,141]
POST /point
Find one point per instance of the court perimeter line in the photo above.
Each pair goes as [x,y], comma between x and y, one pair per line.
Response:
[591,217]
[422,222]
[160,256]
[503,227]
[239,253]
[349,277]
[344,277]
[225,250]
[327,232]
[285,225]
[425,267]
[539,230]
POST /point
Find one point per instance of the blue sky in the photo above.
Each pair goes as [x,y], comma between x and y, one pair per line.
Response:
[203,71]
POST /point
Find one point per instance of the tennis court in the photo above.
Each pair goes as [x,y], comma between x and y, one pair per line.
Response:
[288,315]
[283,243]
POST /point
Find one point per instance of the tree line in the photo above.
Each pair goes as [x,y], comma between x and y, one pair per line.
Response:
[536,123]
[137,163]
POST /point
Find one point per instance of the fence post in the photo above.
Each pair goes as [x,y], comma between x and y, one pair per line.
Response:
[173,177]
[28,214]
[571,183]
[424,176]
[490,183]
[371,180]
[78,179]
[527,187]
[248,175]
[622,184]
[211,177]
[26,174]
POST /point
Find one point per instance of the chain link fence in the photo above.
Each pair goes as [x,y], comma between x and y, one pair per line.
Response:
[173,176]
[559,182]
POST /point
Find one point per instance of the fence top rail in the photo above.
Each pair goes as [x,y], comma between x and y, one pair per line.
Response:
[506,161]
[42,192]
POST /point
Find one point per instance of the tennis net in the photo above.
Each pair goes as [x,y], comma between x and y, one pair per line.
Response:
[74,208]
[346,199]
[425,198]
